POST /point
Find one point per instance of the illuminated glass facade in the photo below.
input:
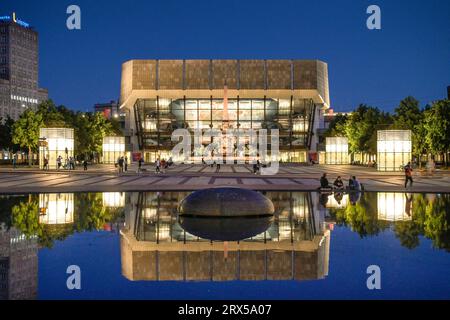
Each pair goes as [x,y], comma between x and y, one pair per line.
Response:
[55,142]
[393,149]
[336,150]
[113,148]
[160,96]
[156,119]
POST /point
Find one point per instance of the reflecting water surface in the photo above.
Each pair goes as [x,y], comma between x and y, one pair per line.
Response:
[139,246]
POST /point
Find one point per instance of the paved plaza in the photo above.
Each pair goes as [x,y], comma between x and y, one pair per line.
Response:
[193,177]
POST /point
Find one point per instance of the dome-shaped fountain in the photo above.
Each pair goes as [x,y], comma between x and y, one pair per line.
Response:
[226,214]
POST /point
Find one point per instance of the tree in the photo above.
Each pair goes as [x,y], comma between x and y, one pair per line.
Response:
[90,129]
[6,128]
[437,126]
[26,131]
[337,126]
[409,116]
[361,128]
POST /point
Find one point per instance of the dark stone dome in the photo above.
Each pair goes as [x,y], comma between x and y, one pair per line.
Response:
[225,229]
[226,202]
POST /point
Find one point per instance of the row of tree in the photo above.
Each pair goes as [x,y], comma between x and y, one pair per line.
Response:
[89,129]
[430,127]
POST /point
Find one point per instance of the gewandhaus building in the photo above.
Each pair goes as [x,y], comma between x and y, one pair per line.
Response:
[159,96]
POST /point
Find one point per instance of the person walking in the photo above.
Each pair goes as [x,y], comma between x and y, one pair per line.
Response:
[58,162]
[408,175]
[85,165]
[45,164]
[158,166]
[140,162]
[121,160]
[14,160]
[125,163]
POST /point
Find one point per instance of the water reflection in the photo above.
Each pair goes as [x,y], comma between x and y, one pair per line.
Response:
[156,244]
[294,244]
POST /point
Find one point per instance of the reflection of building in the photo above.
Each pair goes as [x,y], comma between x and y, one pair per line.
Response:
[55,142]
[113,199]
[159,96]
[394,206]
[155,247]
[19,67]
[393,149]
[18,266]
[56,208]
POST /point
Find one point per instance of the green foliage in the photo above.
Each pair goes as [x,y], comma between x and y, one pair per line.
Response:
[437,126]
[361,128]
[337,126]
[6,131]
[26,131]
[89,215]
[409,116]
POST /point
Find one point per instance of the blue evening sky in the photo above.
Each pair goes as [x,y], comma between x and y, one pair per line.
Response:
[410,55]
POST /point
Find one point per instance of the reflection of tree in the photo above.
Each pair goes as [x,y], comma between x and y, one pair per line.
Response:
[361,217]
[431,218]
[89,215]
[25,217]
[437,222]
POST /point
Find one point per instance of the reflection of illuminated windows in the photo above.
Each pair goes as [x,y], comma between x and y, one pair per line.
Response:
[393,206]
[113,199]
[56,208]
[393,149]
[284,230]
[149,214]
[163,231]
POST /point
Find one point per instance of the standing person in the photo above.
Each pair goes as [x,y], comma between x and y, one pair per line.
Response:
[45,163]
[158,165]
[125,162]
[14,160]
[408,174]
[218,166]
[58,162]
[140,162]
[85,165]
[121,165]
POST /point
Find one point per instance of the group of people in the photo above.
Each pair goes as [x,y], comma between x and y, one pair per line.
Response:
[338,184]
[69,163]
[161,165]
[122,164]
